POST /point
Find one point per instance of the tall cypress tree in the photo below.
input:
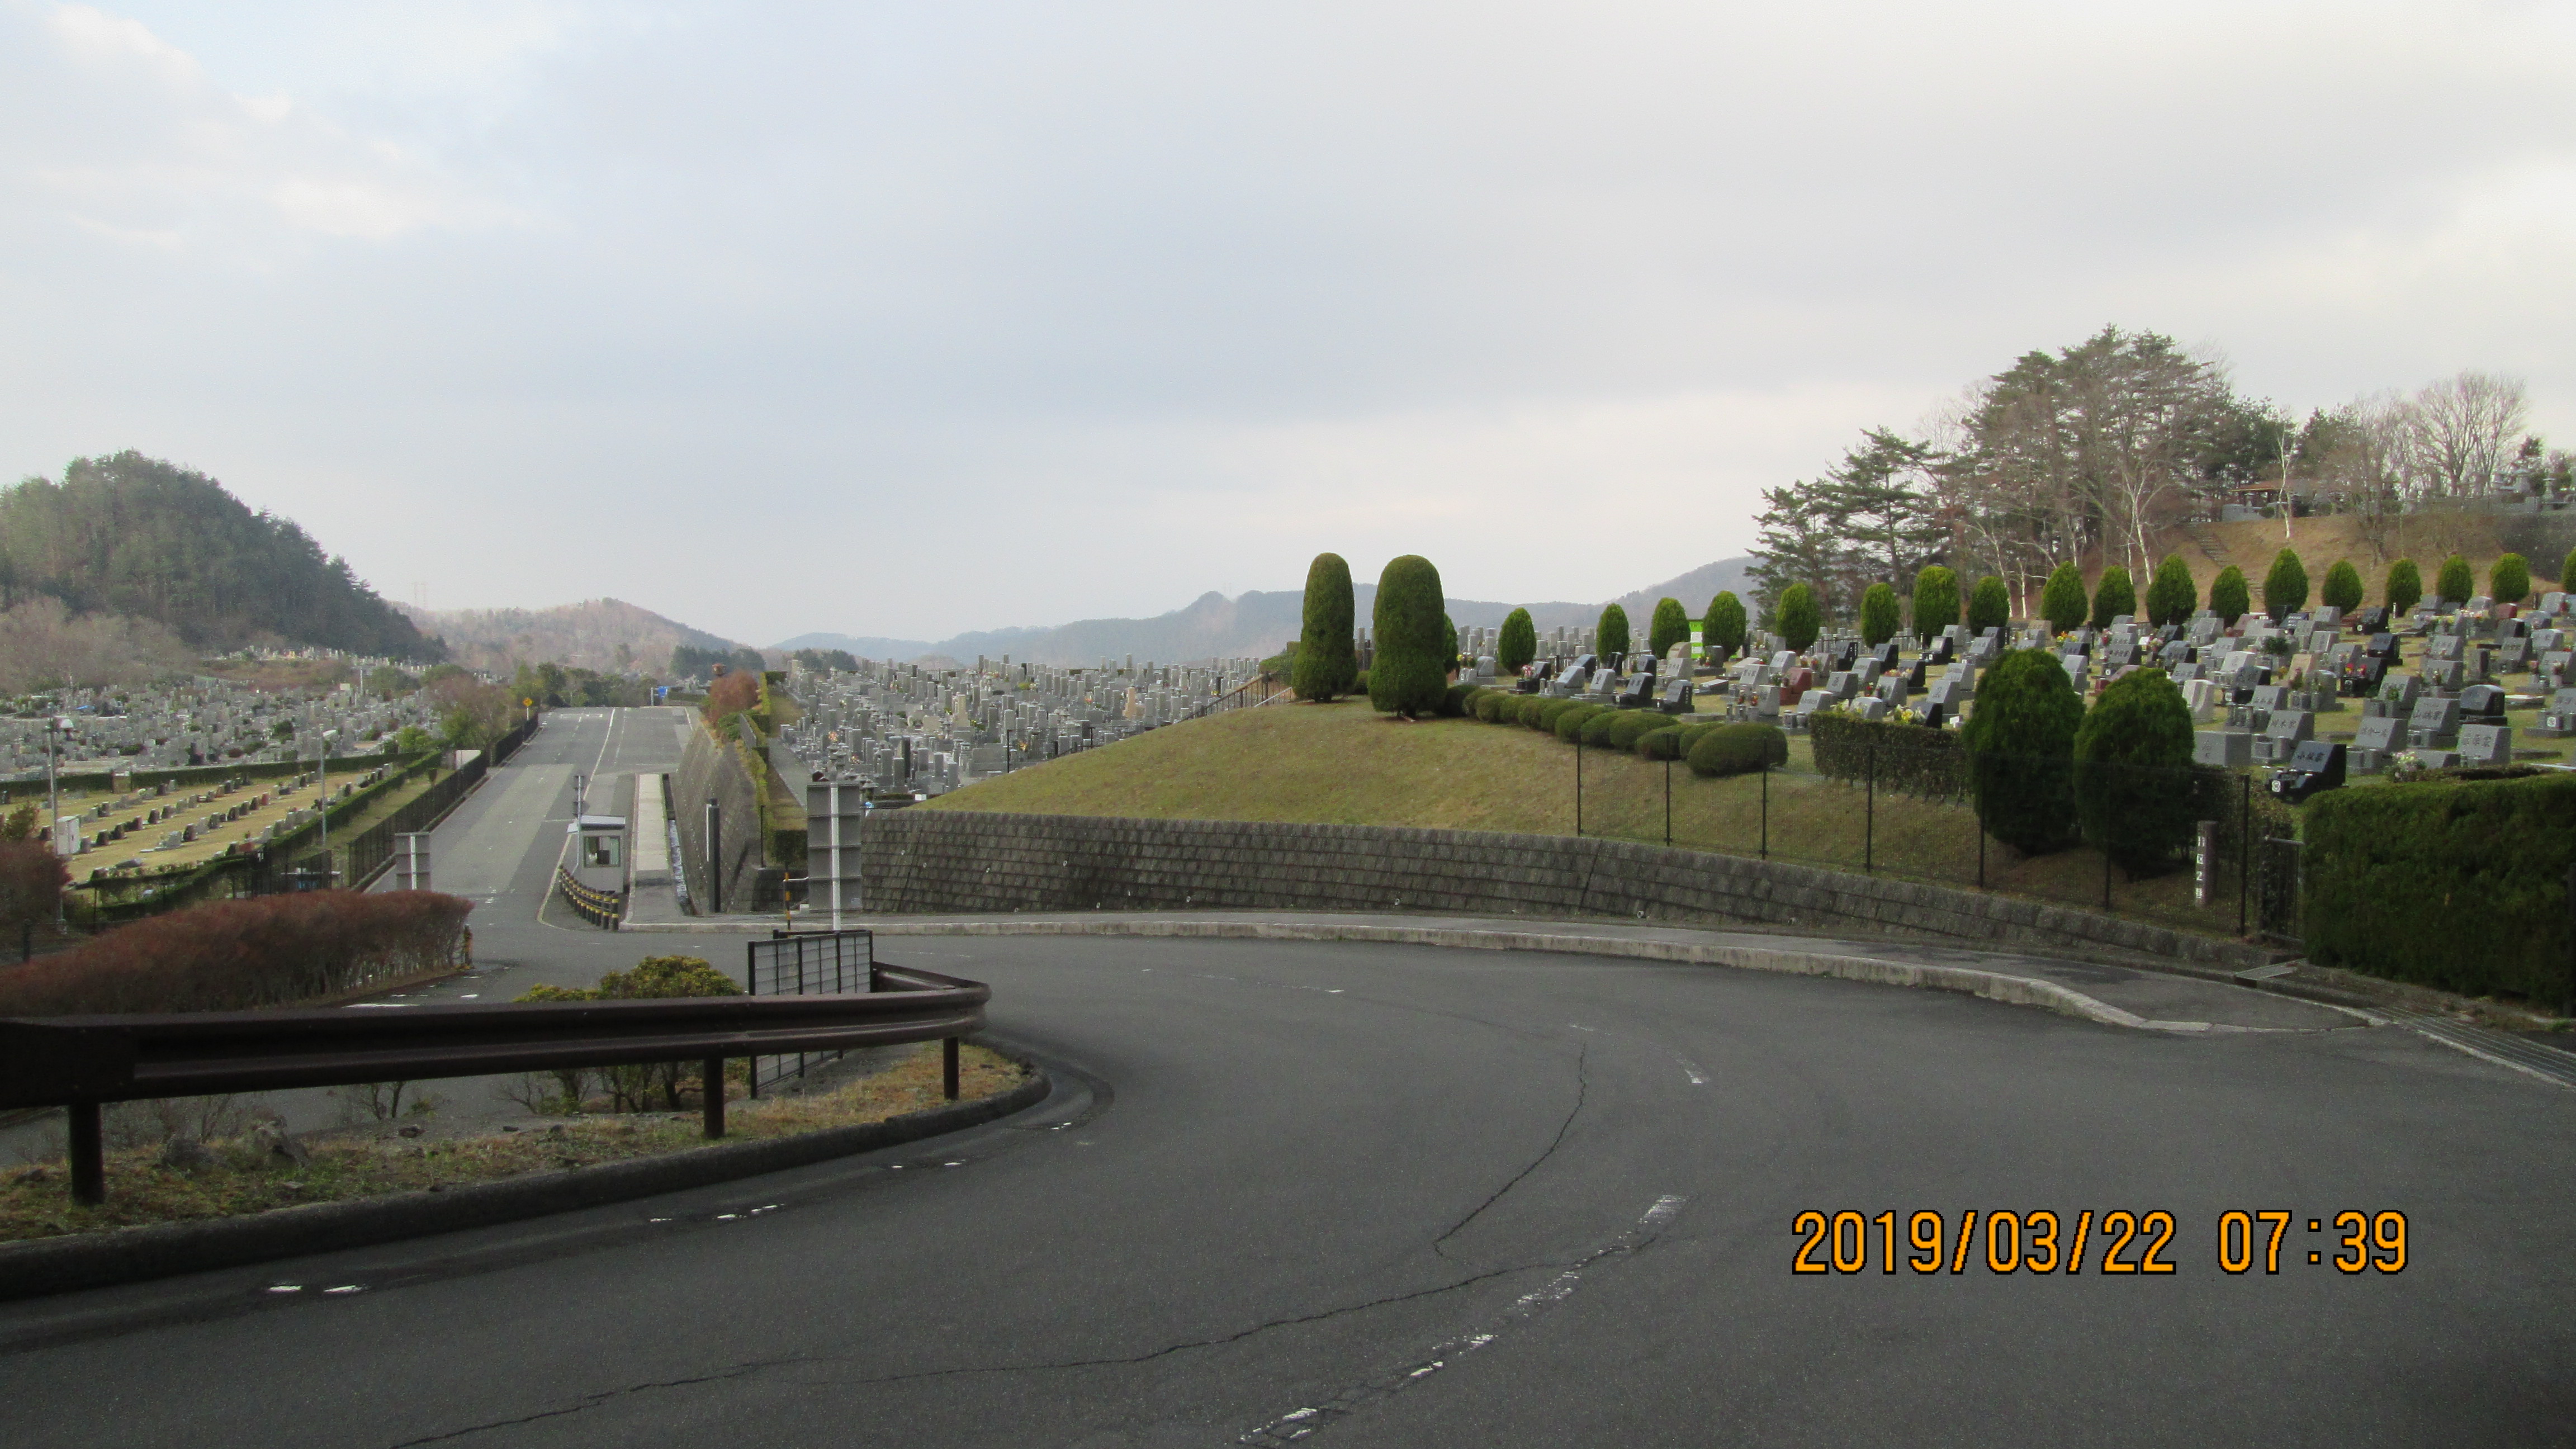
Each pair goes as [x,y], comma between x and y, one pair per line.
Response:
[1611,639]
[1989,605]
[2509,582]
[2061,601]
[2115,595]
[1877,614]
[1799,619]
[2342,587]
[2172,595]
[2285,586]
[1723,630]
[2405,587]
[1408,676]
[2229,598]
[1326,662]
[2455,582]
[1671,626]
[1518,644]
[1936,602]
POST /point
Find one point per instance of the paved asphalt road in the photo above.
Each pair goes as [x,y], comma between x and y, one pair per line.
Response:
[1396,1195]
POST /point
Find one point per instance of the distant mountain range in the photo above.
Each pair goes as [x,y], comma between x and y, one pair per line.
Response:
[602,634]
[1257,624]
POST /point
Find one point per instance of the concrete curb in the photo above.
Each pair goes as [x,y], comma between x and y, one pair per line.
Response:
[162,1250]
[1992,985]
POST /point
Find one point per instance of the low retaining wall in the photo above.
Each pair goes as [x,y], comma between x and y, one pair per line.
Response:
[917,861]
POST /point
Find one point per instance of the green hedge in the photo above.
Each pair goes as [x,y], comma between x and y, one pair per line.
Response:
[2462,887]
[1738,749]
[1489,705]
[1628,726]
[1672,742]
[1566,721]
[1910,759]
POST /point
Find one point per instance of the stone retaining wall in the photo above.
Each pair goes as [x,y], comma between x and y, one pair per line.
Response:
[916,861]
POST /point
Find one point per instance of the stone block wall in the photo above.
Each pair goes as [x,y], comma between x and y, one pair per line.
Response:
[710,768]
[918,861]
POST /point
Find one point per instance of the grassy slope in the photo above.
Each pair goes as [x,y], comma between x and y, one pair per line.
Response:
[1343,764]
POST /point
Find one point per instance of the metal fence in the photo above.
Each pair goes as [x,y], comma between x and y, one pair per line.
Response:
[804,964]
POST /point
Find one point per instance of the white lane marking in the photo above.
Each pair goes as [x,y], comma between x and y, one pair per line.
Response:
[1298,1423]
[1697,1078]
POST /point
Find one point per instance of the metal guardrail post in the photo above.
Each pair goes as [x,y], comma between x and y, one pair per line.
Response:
[711,1086]
[88,1160]
[948,1066]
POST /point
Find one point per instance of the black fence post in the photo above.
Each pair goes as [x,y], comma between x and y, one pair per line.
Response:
[1766,811]
[1869,814]
[1668,803]
[2244,854]
[948,1066]
[1578,785]
[712,1087]
[88,1164]
[2570,1003]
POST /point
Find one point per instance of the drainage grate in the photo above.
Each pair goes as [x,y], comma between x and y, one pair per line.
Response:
[2502,1048]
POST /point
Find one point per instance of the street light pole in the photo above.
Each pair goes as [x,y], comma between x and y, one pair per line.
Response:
[323,759]
[54,801]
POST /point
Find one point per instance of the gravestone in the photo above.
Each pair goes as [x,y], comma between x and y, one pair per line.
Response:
[2384,734]
[2482,704]
[2224,748]
[2486,744]
[2558,718]
[2435,724]
[2314,766]
[2444,676]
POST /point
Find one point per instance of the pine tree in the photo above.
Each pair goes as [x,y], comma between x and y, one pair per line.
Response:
[2342,587]
[2229,598]
[1518,644]
[2285,586]
[2114,596]
[1878,616]
[1671,626]
[1936,601]
[2405,588]
[1989,606]
[1723,630]
[1799,618]
[2062,602]
[1610,640]
[1409,676]
[1326,662]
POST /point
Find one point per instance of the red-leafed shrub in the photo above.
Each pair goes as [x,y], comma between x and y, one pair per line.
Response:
[732,695]
[31,882]
[234,955]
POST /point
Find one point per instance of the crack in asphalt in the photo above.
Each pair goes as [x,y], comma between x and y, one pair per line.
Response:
[742,1370]
[1582,1089]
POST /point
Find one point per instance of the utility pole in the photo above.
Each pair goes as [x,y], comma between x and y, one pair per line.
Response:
[322,758]
[54,801]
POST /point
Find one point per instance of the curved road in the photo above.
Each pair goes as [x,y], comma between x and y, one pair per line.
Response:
[1397,1195]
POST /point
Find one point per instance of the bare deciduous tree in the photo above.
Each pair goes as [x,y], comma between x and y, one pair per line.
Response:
[2463,430]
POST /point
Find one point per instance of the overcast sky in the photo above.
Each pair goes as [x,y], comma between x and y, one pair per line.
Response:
[907,319]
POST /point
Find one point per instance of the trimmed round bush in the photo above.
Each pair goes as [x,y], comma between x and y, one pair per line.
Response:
[1359,683]
[2021,744]
[1878,614]
[2229,598]
[1671,626]
[1628,726]
[1799,618]
[1989,606]
[2285,586]
[1543,712]
[2456,581]
[1673,742]
[2405,587]
[1517,645]
[1489,705]
[1459,701]
[2509,582]
[1595,731]
[2342,588]
[1448,645]
[1326,662]
[1611,638]
[1415,652]
[1569,722]
[1722,633]
[2115,595]
[1737,749]
[2133,787]
[1936,601]
[2171,592]
[2062,602]
[2567,570]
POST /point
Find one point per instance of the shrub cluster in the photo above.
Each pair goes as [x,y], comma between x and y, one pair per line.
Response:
[1737,749]
[32,877]
[2391,873]
[633,1088]
[1905,757]
[240,954]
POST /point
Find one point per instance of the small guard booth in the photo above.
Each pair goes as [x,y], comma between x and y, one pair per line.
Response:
[599,855]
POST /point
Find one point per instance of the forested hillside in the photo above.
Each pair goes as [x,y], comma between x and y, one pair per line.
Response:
[602,634]
[134,536]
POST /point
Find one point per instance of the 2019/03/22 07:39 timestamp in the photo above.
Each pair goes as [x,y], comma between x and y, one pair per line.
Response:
[2117,1242]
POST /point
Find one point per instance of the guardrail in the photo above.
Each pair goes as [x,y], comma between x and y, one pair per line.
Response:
[601,908]
[80,1063]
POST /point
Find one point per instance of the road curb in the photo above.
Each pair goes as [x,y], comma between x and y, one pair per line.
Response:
[1992,985]
[130,1255]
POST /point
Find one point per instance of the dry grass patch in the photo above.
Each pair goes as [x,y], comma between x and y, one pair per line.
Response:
[248,1174]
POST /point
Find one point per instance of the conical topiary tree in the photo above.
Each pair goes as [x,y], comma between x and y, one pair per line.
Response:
[1326,663]
[1723,630]
[2567,571]
[2456,581]
[2285,586]
[1448,645]
[1610,640]
[1409,677]
[1878,616]
[1671,626]
[2172,595]
[2133,795]
[1800,621]
[1989,606]
[2342,587]
[2509,582]
[1518,643]
[1936,601]
[2021,744]
[2405,587]
[2117,594]
[2229,598]
[2061,601]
